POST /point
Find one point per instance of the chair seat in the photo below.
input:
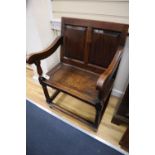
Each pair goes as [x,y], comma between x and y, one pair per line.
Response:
[74,81]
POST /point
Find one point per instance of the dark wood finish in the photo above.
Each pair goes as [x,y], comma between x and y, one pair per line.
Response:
[91,44]
[90,55]
[124,142]
[74,36]
[121,115]
[41,80]
[33,58]
[55,106]
[54,94]
[72,79]
[103,41]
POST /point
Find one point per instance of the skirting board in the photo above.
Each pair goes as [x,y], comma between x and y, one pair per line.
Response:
[117,93]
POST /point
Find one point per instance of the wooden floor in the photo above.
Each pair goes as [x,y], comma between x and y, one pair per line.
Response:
[107,130]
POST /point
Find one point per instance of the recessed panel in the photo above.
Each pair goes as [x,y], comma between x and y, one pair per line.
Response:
[103,47]
[74,42]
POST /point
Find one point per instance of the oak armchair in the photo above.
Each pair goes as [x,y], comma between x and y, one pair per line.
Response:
[90,55]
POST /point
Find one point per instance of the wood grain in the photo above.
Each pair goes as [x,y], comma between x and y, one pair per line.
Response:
[80,82]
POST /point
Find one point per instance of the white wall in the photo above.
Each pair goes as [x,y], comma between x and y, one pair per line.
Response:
[106,10]
[39,34]
[33,42]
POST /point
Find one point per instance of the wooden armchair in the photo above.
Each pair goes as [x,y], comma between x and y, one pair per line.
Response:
[90,56]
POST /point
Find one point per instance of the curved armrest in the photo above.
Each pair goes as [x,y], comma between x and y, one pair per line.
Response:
[106,76]
[30,59]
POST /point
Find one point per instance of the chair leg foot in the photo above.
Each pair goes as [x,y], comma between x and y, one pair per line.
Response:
[98,115]
[96,121]
[48,99]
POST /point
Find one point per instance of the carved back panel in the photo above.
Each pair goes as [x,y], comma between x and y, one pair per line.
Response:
[91,44]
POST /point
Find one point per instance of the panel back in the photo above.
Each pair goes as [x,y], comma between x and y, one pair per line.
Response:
[91,44]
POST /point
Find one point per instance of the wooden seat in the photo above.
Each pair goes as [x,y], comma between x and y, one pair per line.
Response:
[75,81]
[89,59]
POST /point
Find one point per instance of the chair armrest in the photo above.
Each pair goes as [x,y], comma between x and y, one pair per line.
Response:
[106,76]
[36,57]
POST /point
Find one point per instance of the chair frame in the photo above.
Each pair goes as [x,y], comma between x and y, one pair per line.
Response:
[105,81]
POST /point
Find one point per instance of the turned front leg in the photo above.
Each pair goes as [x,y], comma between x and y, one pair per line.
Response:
[98,114]
[41,80]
